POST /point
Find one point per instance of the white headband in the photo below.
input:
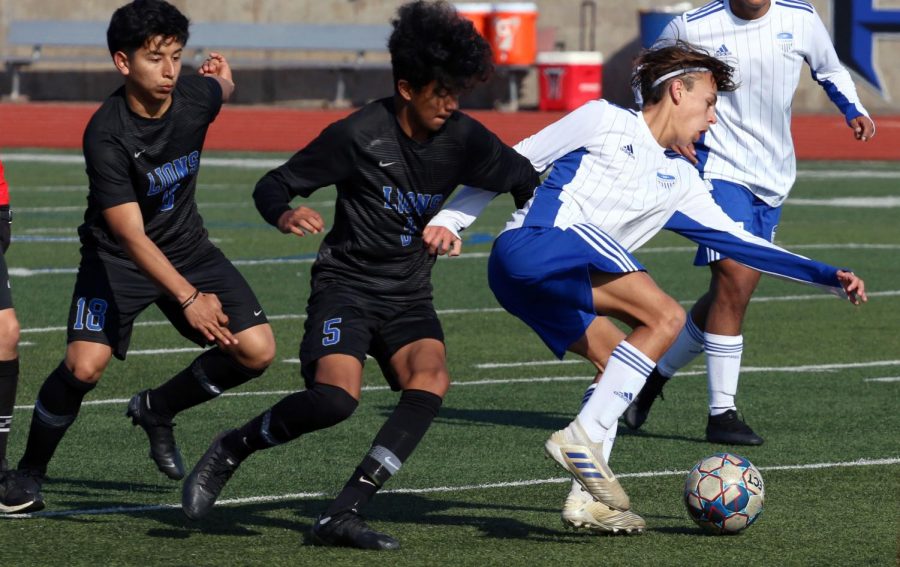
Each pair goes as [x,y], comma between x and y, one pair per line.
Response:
[678,72]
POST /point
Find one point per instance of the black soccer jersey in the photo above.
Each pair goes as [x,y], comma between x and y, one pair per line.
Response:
[389,186]
[153,162]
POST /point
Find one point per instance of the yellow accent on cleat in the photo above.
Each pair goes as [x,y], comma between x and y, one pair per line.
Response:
[573,451]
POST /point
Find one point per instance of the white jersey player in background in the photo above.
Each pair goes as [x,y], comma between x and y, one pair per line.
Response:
[563,263]
[748,157]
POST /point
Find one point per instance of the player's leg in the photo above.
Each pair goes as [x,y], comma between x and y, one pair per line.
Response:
[216,370]
[57,405]
[732,287]
[335,341]
[12,497]
[724,305]
[410,350]
[421,372]
[655,319]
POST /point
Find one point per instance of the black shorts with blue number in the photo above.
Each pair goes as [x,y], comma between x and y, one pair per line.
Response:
[342,320]
[110,294]
[5,295]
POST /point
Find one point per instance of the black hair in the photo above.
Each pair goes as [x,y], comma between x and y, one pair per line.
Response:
[134,24]
[432,42]
[653,64]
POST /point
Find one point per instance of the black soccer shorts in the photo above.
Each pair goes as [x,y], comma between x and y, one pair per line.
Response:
[109,296]
[5,294]
[346,321]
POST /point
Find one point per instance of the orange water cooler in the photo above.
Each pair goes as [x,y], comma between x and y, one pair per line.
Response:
[512,33]
[478,12]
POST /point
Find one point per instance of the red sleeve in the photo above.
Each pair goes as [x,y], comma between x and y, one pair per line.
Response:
[4,188]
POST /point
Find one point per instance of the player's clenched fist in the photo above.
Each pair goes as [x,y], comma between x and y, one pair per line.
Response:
[301,221]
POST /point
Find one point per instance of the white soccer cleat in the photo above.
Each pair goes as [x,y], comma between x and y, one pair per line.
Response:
[582,511]
[572,450]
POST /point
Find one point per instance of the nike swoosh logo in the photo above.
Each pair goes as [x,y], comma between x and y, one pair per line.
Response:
[257,313]
[138,153]
[367,481]
[324,520]
[385,163]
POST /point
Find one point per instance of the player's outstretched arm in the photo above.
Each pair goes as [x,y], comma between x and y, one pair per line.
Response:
[217,67]
[301,221]
[854,287]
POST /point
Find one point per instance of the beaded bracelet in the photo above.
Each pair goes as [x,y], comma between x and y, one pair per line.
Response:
[187,302]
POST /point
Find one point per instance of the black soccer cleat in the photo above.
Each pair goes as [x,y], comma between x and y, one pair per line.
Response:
[348,529]
[163,450]
[20,492]
[206,481]
[729,429]
[637,411]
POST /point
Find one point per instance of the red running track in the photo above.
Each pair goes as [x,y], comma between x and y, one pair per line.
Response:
[243,128]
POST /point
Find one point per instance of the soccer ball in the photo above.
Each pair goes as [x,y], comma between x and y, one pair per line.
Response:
[724,493]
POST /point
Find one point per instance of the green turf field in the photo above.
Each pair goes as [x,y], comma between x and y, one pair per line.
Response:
[820,384]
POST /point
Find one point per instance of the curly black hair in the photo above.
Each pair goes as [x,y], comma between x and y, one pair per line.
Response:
[134,24]
[680,60]
[432,42]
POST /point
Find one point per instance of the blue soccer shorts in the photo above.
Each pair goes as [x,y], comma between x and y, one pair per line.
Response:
[543,277]
[757,217]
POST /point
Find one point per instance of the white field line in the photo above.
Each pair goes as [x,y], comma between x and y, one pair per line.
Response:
[269,163]
[887,379]
[824,368]
[477,310]
[848,202]
[802,368]
[29,272]
[431,490]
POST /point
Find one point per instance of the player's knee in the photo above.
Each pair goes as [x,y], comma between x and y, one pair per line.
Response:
[670,319]
[334,404]
[260,358]
[9,336]
[86,370]
[435,381]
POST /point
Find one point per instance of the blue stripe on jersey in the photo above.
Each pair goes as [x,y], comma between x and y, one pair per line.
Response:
[800,3]
[847,108]
[786,4]
[547,201]
[763,259]
[702,153]
[701,13]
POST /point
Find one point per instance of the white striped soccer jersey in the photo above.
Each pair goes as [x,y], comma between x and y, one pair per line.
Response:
[610,175]
[751,144]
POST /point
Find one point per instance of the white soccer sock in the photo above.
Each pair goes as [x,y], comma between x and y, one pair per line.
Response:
[723,368]
[685,349]
[610,433]
[625,374]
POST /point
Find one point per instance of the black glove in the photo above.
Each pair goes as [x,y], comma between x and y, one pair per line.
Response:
[5,232]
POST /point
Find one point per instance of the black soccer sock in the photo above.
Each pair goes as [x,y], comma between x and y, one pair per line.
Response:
[9,379]
[393,445]
[321,406]
[55,410]
[210,374]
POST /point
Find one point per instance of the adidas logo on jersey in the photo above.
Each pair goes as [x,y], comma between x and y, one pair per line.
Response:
[629,151]
[722,51]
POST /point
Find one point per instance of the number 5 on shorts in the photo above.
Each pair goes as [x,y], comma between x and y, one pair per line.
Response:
[332,332]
